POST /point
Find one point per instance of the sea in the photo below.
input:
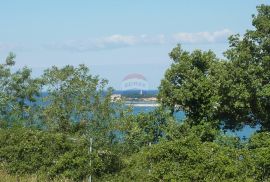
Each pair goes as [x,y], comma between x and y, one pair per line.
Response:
[145,107]
[148,106]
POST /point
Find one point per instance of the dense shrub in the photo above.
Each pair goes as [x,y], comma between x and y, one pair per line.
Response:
[187,159]
[29,151]
[259,147]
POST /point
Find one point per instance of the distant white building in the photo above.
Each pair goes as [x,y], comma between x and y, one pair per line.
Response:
[115,97]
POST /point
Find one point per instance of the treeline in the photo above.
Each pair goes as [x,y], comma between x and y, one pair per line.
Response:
[50,136]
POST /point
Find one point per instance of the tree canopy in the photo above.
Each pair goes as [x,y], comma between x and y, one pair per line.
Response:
[231,92]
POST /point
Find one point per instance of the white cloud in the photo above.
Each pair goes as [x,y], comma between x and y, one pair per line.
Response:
[10,47]
[202,37]
[119,41]
[109,42]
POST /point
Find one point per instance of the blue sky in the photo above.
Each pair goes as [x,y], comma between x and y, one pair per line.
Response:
[117,37]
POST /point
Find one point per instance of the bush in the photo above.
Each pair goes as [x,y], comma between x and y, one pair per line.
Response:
[25,151]
[260,154]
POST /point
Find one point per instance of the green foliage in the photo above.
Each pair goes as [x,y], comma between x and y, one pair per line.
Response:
[76,105]
[249,71]
[47,134]
[26,151]
[77,102]
[187,159]
[105,162]
[53,155]
[231,93]
[143,129]
[17,94]
[190,85]
[74,98]
[260,153]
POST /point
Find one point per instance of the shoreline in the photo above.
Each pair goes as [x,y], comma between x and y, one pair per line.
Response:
[143,104]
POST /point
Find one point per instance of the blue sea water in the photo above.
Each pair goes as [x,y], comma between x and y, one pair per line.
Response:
[144,109]
[246,132]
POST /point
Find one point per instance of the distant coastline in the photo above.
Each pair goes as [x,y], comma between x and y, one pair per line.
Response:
[134,98]
[142,104]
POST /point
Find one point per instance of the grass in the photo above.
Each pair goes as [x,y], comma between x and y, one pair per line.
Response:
[5,177]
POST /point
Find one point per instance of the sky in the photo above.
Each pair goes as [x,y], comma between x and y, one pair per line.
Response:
[117,37]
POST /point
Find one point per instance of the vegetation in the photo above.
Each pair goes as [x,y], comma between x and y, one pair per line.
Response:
[231,92]
[48,124]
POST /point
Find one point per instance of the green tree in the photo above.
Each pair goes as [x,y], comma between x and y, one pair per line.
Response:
[250,76]
[190,85]
[77,102]
[18,94]
[232,93]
